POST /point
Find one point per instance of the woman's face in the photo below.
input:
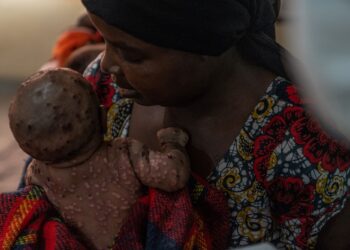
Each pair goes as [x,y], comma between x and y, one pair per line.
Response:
[153,75]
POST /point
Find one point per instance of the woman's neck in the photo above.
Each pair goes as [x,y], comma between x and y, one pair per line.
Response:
[215,120]
[235,93]
[212,121]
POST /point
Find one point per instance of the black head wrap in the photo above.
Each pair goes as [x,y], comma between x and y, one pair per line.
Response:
[207,27]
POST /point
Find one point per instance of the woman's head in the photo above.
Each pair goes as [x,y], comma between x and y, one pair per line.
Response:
[54,115]
[155,74]
[171,51]
[206,27]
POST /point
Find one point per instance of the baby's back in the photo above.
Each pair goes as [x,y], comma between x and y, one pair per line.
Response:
[95,196]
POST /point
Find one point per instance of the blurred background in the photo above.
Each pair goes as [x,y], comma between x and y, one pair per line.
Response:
[29,29]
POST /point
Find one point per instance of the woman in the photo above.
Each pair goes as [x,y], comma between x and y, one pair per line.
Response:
[213,68]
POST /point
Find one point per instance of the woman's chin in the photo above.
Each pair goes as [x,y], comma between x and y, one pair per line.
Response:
[142,101]
[129,93]
[135,96]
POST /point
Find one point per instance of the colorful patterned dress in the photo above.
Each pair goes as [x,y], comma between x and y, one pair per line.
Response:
[284,178]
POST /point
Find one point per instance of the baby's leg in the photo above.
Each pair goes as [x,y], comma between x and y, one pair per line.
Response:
[169,169]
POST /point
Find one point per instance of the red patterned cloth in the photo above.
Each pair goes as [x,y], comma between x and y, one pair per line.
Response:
[196,217]
[28,221]
[193,218]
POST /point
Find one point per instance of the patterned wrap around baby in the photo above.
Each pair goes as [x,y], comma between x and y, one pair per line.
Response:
[283,176]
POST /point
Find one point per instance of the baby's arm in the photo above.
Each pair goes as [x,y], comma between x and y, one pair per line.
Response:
[169,169]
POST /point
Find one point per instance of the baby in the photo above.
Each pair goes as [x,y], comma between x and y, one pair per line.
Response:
[56,118]
[80,58]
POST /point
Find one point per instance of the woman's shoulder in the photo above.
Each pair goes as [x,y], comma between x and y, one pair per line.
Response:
[285,163]
[304,170]
[290,125]
[291,143]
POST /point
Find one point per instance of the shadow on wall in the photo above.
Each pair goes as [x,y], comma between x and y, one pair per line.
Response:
[28,31]
[11,156]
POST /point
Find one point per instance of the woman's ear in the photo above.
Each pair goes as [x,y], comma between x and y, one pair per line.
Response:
[103,119]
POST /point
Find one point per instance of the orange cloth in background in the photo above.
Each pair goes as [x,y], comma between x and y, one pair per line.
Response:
[73,39]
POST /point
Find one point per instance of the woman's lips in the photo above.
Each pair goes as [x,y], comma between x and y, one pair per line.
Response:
[125,90]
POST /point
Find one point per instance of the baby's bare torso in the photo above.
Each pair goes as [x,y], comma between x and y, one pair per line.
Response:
[94,196]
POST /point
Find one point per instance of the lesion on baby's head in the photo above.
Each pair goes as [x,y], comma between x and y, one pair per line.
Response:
[54,114]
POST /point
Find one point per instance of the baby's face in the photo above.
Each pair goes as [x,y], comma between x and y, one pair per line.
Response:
[54,114]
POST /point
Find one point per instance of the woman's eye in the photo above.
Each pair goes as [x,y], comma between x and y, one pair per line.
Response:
[130,55]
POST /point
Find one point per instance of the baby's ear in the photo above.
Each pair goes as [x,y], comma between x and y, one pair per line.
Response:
[103,119]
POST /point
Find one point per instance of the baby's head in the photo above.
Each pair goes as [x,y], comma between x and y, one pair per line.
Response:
[55,116]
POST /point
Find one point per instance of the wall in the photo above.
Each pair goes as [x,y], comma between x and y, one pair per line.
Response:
[28,30]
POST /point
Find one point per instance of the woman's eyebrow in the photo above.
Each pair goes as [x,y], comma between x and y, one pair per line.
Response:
[123,46]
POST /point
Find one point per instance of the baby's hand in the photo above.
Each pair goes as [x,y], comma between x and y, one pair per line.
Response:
[168,170]
[169,137]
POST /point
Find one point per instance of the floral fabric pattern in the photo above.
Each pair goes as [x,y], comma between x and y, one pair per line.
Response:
[283,176]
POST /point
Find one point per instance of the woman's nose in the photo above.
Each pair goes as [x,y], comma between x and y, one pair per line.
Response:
[110,66]
[107,62]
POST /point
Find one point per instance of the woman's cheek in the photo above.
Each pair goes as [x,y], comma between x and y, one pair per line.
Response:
[141,73]
[130,73]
